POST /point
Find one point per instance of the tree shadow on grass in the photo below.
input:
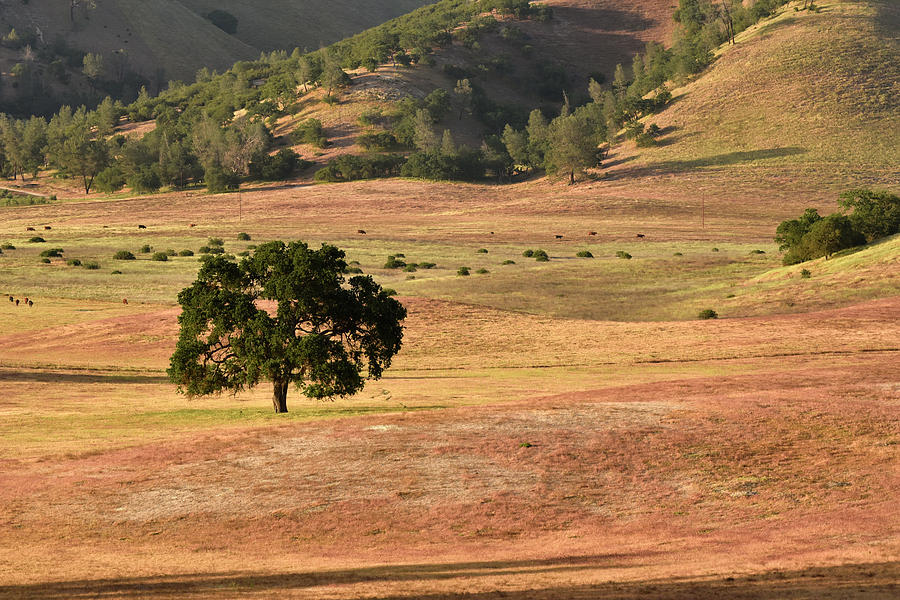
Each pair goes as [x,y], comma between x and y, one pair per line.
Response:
[719,160]
[50,376]
[870,580]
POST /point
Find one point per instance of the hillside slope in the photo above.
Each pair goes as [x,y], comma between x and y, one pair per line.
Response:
[814,89]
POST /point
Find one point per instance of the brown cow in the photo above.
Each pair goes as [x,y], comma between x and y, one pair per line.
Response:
[640,235]
[193,224]
[124,300]
[592,233]
[361,231]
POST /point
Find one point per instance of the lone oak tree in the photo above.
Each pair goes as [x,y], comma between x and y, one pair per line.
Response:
[285,314]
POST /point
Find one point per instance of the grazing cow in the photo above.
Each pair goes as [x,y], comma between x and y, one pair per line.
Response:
[29,229]
[142,227]
[640,235]
[17,301]
[592,233]
[124,300]
[30,303]
[47,227]
[559,237]
[361,231]
[11,299]
[106,227]
[492,233]
[193,224]
[26,299]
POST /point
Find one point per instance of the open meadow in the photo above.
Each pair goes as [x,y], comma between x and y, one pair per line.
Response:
[560,429]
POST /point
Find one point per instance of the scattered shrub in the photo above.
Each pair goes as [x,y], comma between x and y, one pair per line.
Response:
[757,252]
[708,313]
[585,254]
[351,168]
[400,255]
[160,257]
[715,249]
[389,291]
[186,252]
[253,247]
[354,270]
[623,254]
[481,251]
[7,247]
[73,262]
[463,271]
[482,271]
[805,274]
[215,242]
[91,266]
[52,252]
[411,268]
[528,253]
[381,141]
[171,252]
[244,237]
[204,250]
[45,260]
[427,265]
[215,250]
[244,253]
[109,180]
[394,263]
[37,240]
[146,249]
[310,131]
[540,256]
[278,166]
[116,272]
[678,254]
[123,255]
[508,262]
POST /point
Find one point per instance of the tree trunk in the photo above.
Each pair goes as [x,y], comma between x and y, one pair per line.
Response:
[571,177]
[279,396]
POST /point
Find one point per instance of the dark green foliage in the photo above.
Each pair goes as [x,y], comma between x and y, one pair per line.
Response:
[411,268]
[466,165]
[215,250]
[427,265]
[224,20]
[678,254]
[827,236]
[123,255]
[585,254]
[213,241]
[508,262]
[160,257]
[310,131]
[203,250]
[91,266]
[45,261]
[116,272]
[186,252]
[219,180]
[482,271]
[715,249]
[145,180]
[73,262]
[350,168]
[790,232]
[243,236]
[805,274]
[7,247]
[463,271]
[52,252]
[757,252]
[171,252]
[876,214]
[109,180]
[380,141]
[146,249]
[708,313]
[623,254]
[37,240]
[481,251]
[354,270]
[394,263]
[277,167]
[540,256]
[325,335]
[528,253]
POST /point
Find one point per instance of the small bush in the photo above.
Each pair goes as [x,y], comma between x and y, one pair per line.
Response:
[310,131]
[528,253]
[244,253]
[45,260]
[215,242]
[186,252]
[481,251]
[585,254]
[160,257]
[215,250]
[508,262]
[482,271]
[427,265]
[715,249]
[123,255]
[540,256]
[623,254]
[204,250]
[757,252]
[146,249]
[678,254]
[52,252]
[253,247]
[91,266]
[805,274]
[354,270]
[411,268]
[117,272]
[171,252]
[73,262]
[394,263]
[244,237]
[37,240]
[708,313]
[463,271]
[400,255]
[7,247]
[390,291]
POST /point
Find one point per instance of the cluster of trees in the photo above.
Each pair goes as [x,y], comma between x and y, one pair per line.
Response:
[875,214]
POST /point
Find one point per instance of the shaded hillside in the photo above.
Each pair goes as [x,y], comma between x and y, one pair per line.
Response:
[804,88]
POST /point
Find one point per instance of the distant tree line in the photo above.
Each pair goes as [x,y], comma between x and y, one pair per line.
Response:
[875,214]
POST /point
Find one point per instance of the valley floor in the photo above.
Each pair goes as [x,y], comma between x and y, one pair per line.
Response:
[557,430]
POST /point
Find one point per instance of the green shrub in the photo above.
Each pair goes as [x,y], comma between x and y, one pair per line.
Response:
[253,247]
[482,271]
[73,262]
[381,141]
[37,240]
[351,168]
[45,260]
[204,250]
[91,266]
[146,249]
[171,252]
[109,180]
[678,254]
[123,255]
[160,257]
[277,167]
[116,272]
[52,252]
[7,247]
[463,271]
[244,237]
[875,214]
[215,241]
[541,256]
[805,274]
[427,265]
[715,249]
[757,252]
[623,254]
[394,263]
[244,253]
[146,180]
[585,254]
[310,131]
[708,313]
[411,268]
[354,270]
[389,291]
[481,251]
[186,252]
[508,262]
[215,250]
[218,180]
[528,253]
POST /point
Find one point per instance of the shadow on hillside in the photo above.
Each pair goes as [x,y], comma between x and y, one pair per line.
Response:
[35,376]
[874,580]
[719,160]
[607,19]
